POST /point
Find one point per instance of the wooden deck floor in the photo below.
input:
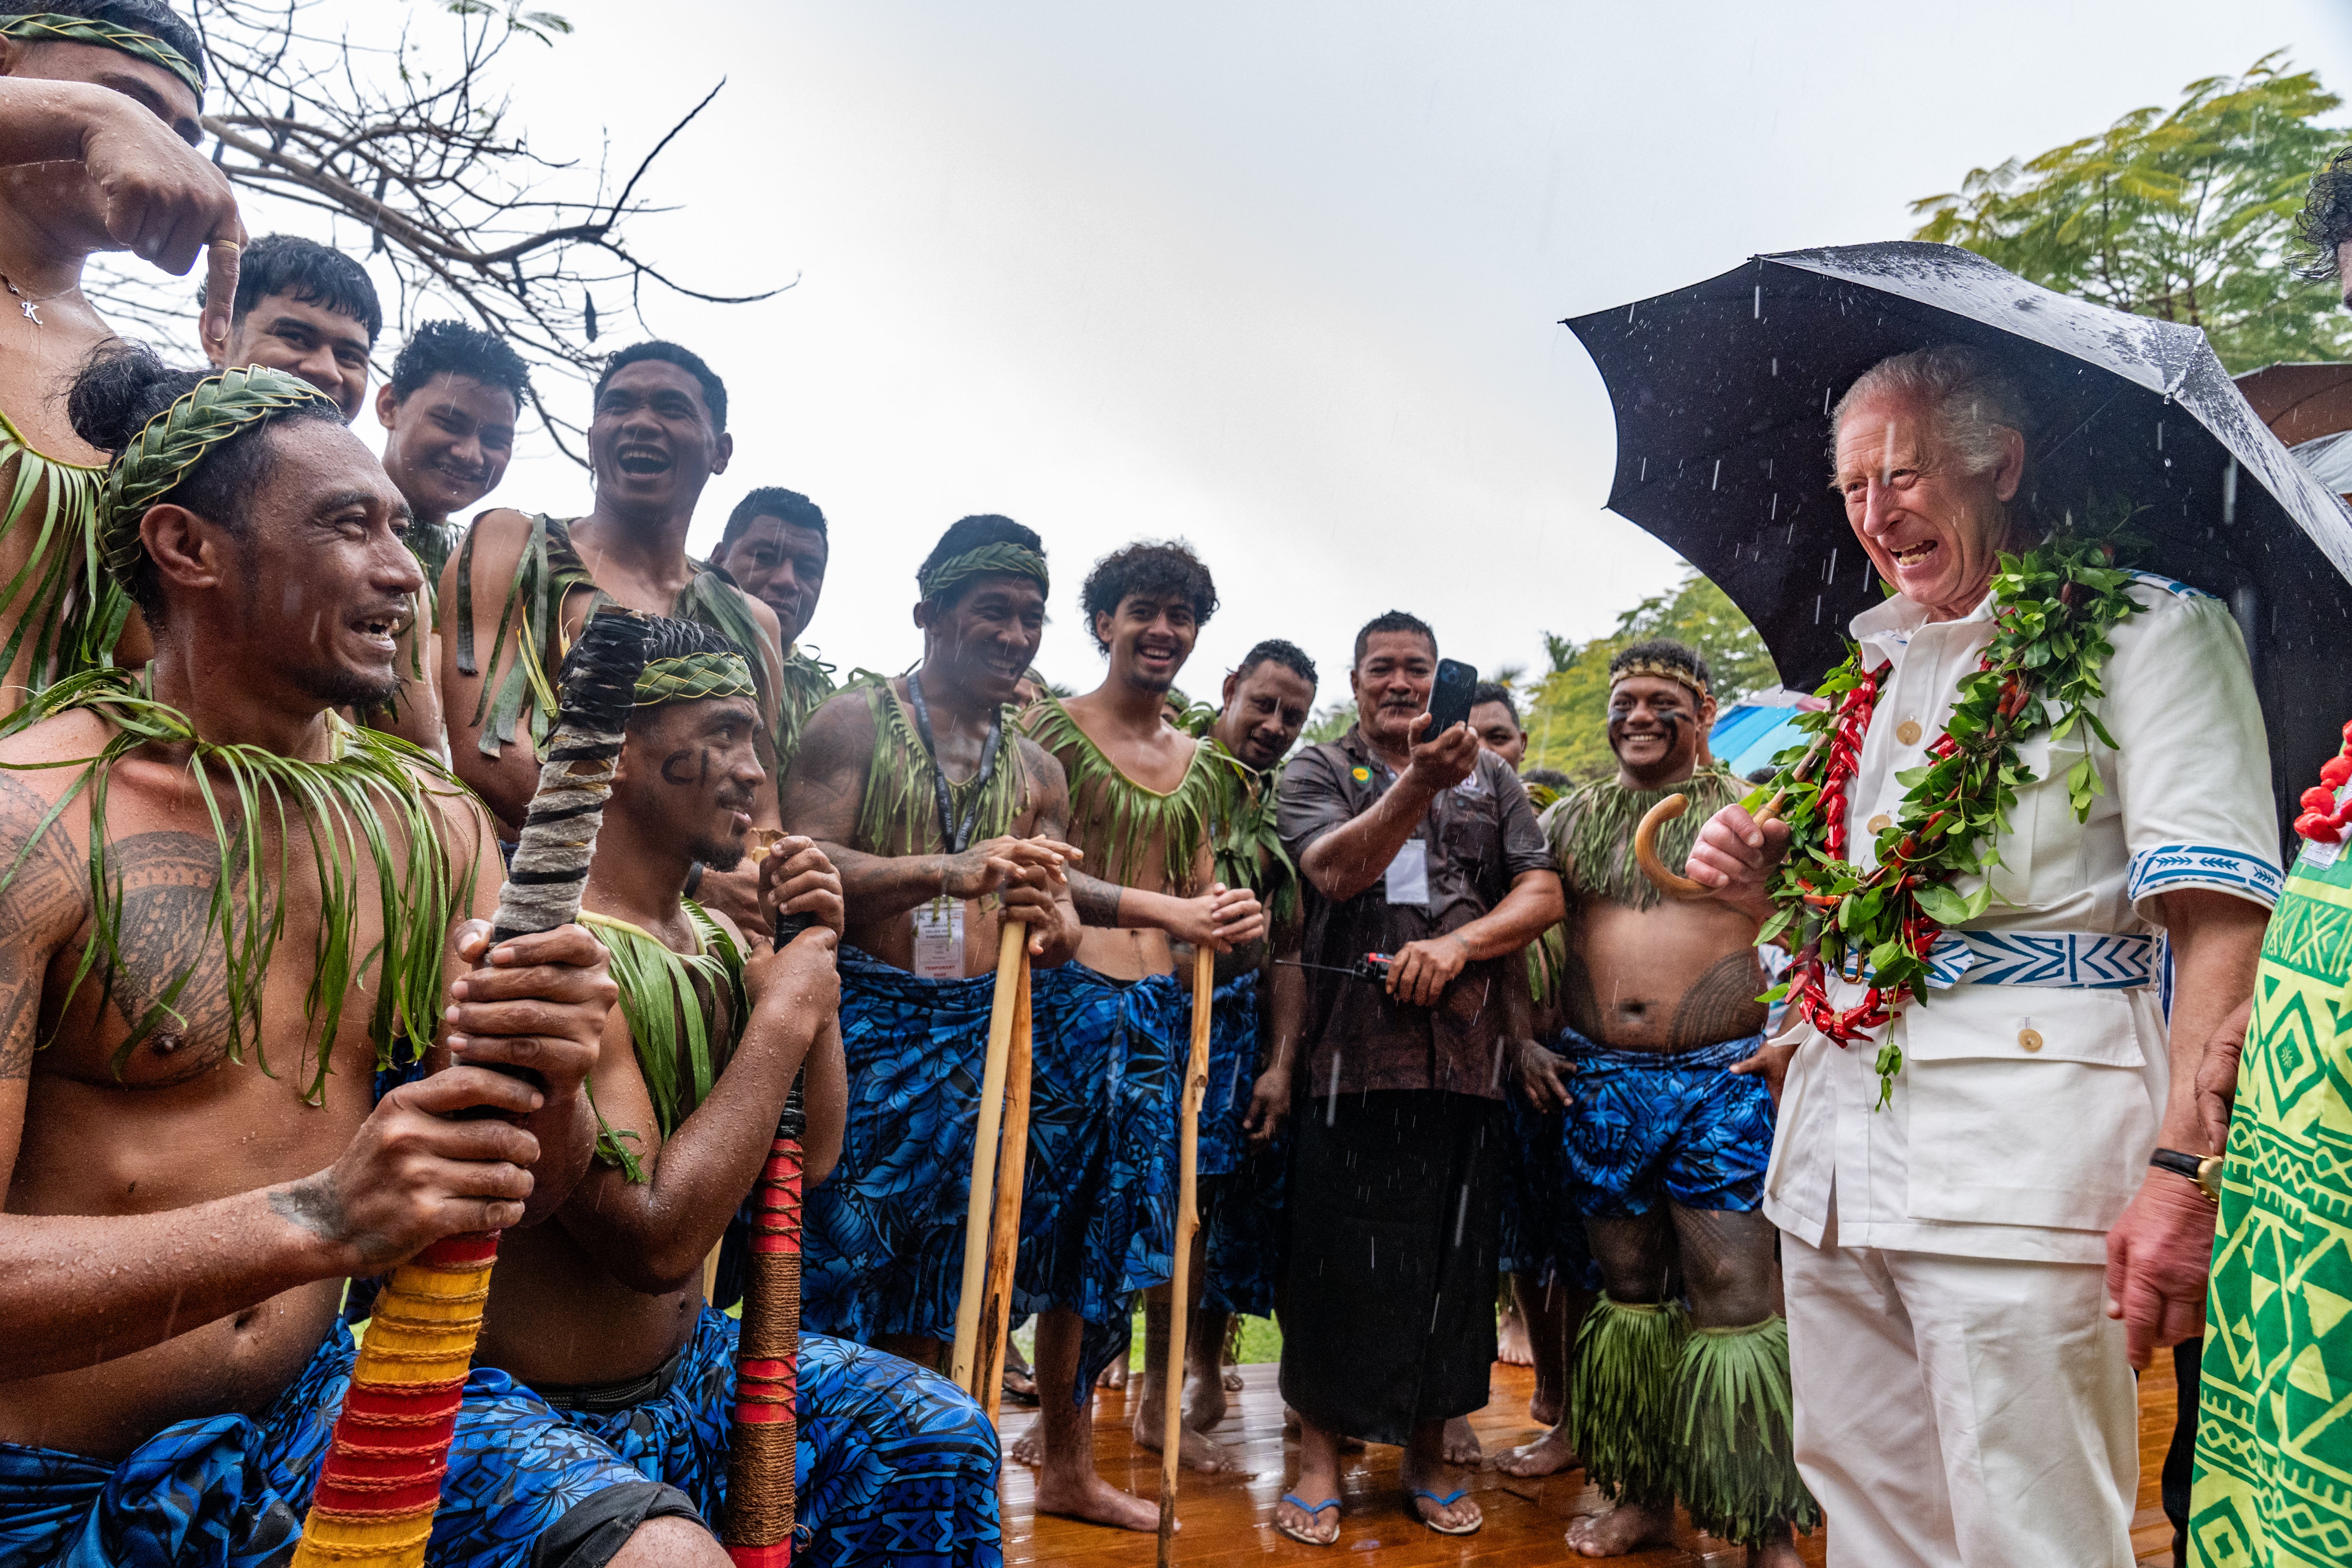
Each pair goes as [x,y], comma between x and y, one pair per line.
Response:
[1228,1520]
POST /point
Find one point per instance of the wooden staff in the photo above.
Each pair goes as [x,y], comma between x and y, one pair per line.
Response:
[1011,944]
[1188,1223]
[1004,1232]
[381,1483]
[760,1446]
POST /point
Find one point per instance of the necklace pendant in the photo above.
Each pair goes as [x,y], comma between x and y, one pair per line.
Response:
[32,312]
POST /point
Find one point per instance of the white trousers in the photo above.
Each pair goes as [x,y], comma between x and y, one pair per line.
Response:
[1961,1412]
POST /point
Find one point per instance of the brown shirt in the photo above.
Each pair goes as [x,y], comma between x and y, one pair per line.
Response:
[1477,838]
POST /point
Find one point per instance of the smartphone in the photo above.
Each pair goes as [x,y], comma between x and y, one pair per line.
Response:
[1449,699]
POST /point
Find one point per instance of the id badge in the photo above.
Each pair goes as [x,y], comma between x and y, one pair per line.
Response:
[938,940]
[1408,873]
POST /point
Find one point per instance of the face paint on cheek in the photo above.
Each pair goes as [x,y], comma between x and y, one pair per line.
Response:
[684,768]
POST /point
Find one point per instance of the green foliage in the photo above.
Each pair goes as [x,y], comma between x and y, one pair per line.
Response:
[1329,723]
[2186,215]
[1567,719]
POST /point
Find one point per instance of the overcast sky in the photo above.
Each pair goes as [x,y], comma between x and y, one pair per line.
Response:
[1280,280]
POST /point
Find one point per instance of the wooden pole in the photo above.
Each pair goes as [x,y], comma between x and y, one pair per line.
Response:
[1012,942]
[1188,1223]
[1005,1235]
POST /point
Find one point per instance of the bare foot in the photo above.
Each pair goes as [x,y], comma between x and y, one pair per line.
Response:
[1463,1510]
[1113,1376]
[1548,1455]
[1204,1401]
[1461,1444]
[1232,1378]
[1511,1346]
[1779,1554]
[1029,1448]
[1544,1406]
[1621,1530]
[1199,1452]
[1086,1495]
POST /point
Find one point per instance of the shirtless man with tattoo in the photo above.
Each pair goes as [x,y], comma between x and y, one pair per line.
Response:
[1663,1142]
[194,1116]
[98,106]
[1144,800]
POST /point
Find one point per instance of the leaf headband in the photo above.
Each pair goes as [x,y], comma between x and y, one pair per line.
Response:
[50,28]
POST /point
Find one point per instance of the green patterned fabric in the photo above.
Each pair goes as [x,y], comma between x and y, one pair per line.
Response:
[550,568]
[49,28]
[2273,1483]
[668,999]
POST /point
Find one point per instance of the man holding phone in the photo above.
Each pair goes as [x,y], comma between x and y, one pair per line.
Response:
[1414,843]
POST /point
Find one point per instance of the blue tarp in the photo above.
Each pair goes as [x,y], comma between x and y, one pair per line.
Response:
[1748,736]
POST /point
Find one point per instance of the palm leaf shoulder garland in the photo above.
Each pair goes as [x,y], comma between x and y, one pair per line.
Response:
[549,569]
[67,611]
[669,999]
[1124,819]
[899,813]
[377,801]
[1248,851]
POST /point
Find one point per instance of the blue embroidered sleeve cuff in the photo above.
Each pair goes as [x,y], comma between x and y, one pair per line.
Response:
[2171,866]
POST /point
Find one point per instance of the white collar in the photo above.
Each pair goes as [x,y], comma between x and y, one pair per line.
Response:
[1887,627]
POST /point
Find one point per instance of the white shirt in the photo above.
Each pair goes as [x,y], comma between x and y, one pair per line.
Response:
[1991,1148]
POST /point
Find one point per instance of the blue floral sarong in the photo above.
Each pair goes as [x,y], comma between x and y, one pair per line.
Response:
[883,1236]
[229,1491]
[1665,1124]
[896,1464]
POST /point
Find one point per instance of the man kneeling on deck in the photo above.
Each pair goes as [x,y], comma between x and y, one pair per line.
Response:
[601,1312]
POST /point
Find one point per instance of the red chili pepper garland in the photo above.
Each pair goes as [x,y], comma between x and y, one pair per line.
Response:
[2323,820]
[2055,643]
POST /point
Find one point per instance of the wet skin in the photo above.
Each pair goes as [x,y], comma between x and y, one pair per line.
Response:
[614,1287]
[447,446]
[782,564]
[97,154]
[1264,712]
[191,1194]
[1499,733]
[302,338]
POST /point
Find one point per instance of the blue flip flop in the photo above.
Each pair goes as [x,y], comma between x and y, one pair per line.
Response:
[1316,1512]
[1448,1500]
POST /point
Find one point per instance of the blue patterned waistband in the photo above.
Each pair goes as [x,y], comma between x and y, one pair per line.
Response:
[2067,960]
[1699,1059]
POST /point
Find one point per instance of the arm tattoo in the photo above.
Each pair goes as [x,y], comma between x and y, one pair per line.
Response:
[48,892]
[1721,1004]
[313,1203]
[1096,900]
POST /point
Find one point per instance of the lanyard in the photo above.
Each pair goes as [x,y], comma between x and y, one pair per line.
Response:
[956,837]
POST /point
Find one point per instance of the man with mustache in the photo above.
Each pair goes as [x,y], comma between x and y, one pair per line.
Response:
[1647,1135]
[603,1312]
[944,820]
[1424,848]
[1143,797]
[776,550]
[212,1112]
[99,102]
[449,415]
[521,586]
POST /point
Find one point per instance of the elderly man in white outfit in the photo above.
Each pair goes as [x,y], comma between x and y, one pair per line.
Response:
[1973,1270]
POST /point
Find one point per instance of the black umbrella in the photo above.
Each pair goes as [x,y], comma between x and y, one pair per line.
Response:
[1722,393]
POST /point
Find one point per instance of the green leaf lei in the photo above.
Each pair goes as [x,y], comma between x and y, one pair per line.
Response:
[2053,609]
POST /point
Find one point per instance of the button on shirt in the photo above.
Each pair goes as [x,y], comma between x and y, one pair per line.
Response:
[2024,1116]
[1477,838]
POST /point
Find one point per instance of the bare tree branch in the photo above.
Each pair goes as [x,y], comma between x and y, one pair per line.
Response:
[410,143]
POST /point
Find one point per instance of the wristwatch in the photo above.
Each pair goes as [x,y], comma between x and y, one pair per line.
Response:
[2205,1170]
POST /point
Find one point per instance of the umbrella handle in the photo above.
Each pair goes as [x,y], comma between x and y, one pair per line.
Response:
[1645,845]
